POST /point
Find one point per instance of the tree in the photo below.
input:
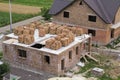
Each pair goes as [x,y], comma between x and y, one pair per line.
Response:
[44,13]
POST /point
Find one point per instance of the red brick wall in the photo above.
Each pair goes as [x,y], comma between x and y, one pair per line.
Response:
[116,33]
[102,36]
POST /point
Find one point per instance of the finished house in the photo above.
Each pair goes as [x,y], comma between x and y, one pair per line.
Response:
[101,18]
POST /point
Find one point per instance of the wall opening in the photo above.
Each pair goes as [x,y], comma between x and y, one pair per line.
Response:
[112,33]
[92,18]
[70,54]
[77,50]
[22,53]
[47,59]
[38,46]
[62,64]
[81,3]
[66,14]
[93,32]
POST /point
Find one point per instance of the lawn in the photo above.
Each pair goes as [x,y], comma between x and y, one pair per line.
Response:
[109,63]
[4,17]
[40,3]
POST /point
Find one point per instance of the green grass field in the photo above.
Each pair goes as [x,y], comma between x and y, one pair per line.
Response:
[4,19]
[40,3]
[4,16]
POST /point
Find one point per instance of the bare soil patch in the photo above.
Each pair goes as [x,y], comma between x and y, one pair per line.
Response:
[20,9]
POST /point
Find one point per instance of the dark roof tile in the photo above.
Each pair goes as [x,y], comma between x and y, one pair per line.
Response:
[59,5]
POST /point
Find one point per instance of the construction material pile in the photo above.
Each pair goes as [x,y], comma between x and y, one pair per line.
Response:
[65,34]
[26,33]
[55,29]
[61,40]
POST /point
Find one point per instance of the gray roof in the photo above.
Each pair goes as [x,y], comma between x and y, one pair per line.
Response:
[59,5]
[105,9]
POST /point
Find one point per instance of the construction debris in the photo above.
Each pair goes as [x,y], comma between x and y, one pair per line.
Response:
[1,36]
[97,71]
[81,64]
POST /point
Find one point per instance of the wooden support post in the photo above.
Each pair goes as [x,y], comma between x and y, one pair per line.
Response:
[92,57]
[90,45]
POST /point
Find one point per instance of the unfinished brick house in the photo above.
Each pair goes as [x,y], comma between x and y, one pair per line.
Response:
[38,55]
[99,17]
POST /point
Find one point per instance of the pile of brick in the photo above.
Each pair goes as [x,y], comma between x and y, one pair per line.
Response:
[61,40]
[25,34]
[26,39]
[23,30]
[65,34]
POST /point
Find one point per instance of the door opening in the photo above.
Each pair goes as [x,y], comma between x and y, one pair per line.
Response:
[112,33]
[62,64]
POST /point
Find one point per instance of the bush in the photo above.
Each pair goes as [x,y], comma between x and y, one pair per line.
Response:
[4,68]
[112,44]
[1,54]
[45,13]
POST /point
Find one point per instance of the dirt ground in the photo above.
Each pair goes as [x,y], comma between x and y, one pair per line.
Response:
[21,9]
